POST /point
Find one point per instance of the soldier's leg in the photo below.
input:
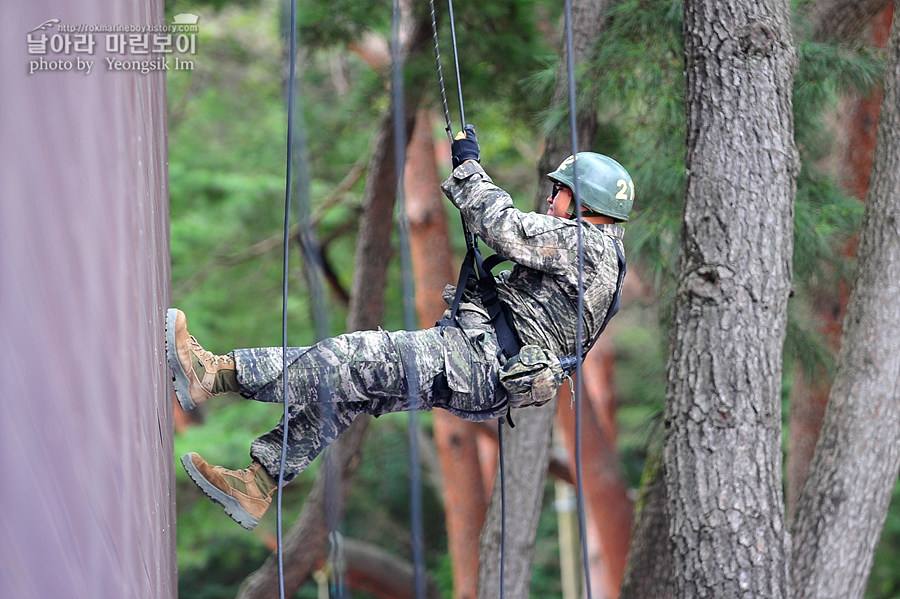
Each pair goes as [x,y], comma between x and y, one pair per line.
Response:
[336,380]
[315,426]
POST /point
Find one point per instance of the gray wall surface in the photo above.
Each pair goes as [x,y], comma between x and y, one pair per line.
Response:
[87,487]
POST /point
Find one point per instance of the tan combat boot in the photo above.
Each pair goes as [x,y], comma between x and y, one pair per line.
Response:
[245,494]
[197,374]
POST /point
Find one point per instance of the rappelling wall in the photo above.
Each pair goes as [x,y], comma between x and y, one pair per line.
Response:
[87,485]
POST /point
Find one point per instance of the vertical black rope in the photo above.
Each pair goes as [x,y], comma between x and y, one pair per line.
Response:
[284,288]
[471,242]
[462,112]
[440,70]
[579,334]
[502,506]
[409,313]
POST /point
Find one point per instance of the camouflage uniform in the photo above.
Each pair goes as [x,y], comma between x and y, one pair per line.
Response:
[377,372]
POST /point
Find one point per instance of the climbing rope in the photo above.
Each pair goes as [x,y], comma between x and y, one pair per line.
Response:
[579,331]
[440,71]
[313,267]
[284,285]
[471,241]
[462,111]
[409,313]
[502,504]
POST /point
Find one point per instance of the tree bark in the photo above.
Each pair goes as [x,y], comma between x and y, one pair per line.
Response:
[373,251]
[723,399]
[809,396]
[376,228]
[465,501]
[649,572]
[845,500]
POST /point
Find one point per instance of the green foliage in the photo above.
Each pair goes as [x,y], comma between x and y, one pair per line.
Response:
[640,387]
[639,86]
[338,22]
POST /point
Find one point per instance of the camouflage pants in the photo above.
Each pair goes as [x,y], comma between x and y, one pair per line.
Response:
[368,372]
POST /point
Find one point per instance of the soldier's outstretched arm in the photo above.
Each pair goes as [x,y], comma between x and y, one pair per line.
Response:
[535,240]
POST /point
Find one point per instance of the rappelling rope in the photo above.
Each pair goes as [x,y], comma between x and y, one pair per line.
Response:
[313,266]
[471,241]
[579,331]
[440,71]
[462,111]
[409,312]
[284,285]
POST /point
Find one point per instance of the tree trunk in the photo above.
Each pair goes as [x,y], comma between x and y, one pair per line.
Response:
[373,570]
[723,400]
[376,227]
[809,395]
[649,572]
[465,501]
[526,452]
[373,250]
[605,491]
[846,497]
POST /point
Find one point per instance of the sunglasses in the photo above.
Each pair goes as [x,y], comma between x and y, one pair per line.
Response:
[557,187]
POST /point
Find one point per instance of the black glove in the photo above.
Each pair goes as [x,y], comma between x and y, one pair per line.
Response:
[465,148]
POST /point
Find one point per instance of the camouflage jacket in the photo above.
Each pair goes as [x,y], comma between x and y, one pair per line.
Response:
[542,288]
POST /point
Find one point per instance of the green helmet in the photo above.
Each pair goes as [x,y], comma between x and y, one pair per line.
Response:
[604,184]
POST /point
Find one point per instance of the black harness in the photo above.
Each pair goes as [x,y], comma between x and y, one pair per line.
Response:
[478,268]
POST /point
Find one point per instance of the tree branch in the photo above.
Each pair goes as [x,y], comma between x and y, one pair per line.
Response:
[843,20]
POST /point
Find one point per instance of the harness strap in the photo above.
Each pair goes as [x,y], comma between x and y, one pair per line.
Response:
[500,317]
[569,363]
[474,266]
[617,296]
[499,312]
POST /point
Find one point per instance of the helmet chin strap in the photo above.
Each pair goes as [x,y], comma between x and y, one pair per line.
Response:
[570,212]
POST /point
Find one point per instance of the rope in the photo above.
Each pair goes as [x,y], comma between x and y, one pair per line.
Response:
[284,285]
[409,314]
[462,112]
[471,243]
[440,71]
[579,331]
[502,505]
[470,239]
[313,267]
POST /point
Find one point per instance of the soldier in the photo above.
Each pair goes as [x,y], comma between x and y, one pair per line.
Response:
[459,365]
